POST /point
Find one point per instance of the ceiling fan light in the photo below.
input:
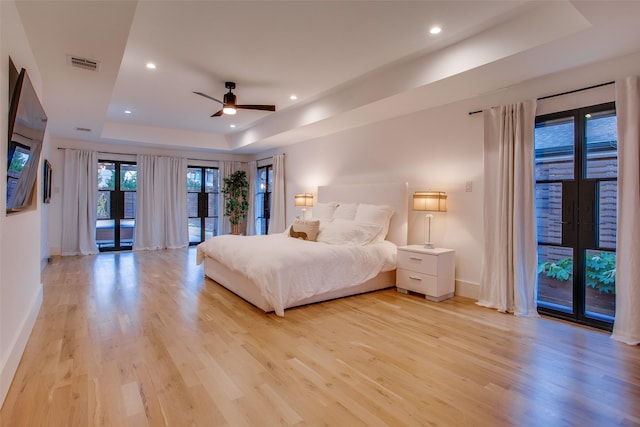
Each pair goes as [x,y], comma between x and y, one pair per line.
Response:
[229,106]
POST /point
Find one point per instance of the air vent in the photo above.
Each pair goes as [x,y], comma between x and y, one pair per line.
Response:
[83,129]
[84,63]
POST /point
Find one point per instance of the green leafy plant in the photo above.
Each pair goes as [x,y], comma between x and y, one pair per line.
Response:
[129,180]
[103,211]
[561,270]
[600,272]
[235,189]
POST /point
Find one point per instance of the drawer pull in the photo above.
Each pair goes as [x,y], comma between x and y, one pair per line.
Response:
[415,278]
[415,258]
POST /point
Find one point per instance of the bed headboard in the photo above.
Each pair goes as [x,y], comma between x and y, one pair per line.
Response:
[395,195]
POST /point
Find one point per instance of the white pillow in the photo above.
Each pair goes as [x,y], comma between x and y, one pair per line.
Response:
[347,232]
[346,211]
[375,214]
[324,210]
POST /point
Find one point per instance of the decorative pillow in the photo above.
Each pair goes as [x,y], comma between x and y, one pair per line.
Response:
[346,211]
[375,214]
[324,210]
[347,232]
[305,229]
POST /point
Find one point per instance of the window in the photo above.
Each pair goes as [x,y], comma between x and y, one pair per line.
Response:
[576,173]
[117,186]
[203,187]
[263,198]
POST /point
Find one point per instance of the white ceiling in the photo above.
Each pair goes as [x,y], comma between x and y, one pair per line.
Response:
[349,62]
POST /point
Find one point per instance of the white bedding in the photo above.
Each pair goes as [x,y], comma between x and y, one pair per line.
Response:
[288,270]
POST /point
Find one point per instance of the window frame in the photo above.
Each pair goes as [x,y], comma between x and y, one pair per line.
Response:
[116,202]
[263,213]
[202,201]
[579,150]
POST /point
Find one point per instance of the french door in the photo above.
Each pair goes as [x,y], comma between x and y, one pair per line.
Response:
[576,196]
[263,199]
[203,187]
[117,185]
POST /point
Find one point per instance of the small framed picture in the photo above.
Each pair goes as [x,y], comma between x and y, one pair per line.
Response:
[47,182]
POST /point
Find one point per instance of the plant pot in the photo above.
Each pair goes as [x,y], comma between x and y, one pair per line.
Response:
[235,229]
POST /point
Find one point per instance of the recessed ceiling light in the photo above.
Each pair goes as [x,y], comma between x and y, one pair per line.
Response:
[151,65]
[232,125]
[127,111]
[293,97]
[435,30]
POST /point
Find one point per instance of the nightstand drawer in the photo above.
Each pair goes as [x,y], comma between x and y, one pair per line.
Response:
[417,282]
[418,262]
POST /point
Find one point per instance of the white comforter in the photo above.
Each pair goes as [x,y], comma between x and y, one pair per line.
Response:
[288,270]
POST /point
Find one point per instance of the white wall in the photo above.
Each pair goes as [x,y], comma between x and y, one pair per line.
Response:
[20,243]
[431,150]
[439,149]
[125,153]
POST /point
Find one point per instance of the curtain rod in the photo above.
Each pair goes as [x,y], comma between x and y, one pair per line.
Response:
[269,157]
[130,154]
[188,158]
[560,94]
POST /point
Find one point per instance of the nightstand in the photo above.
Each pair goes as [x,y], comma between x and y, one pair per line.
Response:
[426,271]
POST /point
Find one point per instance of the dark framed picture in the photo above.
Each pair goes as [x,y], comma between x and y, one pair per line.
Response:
[47,182]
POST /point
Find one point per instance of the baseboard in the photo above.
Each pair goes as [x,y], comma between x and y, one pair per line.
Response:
[55,250]
[467,289]
[10,366]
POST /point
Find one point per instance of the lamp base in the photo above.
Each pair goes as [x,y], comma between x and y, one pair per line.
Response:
[427,237]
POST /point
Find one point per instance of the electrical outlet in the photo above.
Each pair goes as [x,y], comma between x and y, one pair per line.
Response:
[468,187]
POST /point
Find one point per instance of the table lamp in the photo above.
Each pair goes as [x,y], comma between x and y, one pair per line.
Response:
[429,201]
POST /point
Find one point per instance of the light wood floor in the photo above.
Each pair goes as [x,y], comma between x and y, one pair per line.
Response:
[137,339]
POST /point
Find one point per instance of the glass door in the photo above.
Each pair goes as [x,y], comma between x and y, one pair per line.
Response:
[263,199]
[202,203]
[576,198]
[117,186]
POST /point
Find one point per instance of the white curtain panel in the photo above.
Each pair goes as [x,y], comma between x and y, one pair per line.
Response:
[79,202]
[176,215]
[147,229]
[277,221]
[252,172]
[627,324]
[161,209]
[509,275]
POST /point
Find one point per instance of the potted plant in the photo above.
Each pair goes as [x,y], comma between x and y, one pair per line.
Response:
[235,190]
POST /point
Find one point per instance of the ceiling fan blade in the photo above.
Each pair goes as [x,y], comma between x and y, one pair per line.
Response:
[218,114]
[257,107]
[208,97]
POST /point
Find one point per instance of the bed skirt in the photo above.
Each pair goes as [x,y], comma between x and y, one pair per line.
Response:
[247,290]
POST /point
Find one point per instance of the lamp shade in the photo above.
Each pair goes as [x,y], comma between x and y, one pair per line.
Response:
[304,200]
[434,201]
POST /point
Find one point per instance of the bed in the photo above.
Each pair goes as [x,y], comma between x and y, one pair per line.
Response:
[250,266]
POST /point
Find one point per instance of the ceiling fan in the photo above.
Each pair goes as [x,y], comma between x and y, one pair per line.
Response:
[229,105]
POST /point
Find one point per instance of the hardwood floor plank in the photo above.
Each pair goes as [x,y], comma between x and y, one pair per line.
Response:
[143,339]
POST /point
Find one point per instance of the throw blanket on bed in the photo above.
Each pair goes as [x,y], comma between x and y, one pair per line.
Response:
[289,270]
